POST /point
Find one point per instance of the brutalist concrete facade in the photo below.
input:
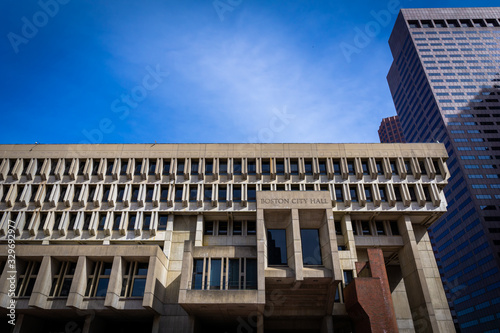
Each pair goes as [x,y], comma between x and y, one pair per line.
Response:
[221,237]
[445,84]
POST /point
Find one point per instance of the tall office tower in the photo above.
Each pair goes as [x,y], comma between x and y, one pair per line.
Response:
[390,130]
[169,238]
[445,84]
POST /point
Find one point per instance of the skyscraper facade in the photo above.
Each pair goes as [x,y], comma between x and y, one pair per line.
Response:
[445,84]
[390,130]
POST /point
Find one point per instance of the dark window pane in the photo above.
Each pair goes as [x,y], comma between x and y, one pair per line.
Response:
[311,252]
[162,222]
[209,167]
[394,228]
[180,167]
[102,287]
[308,167]
[222,193]
[354,194]
[209,228]
[215,274]
[237,193]
[147,222]
[251,228]
[266,167]
[251,194]
[294,168]
[251,167]
[152,168]
[138,287]
[234,273]
[237,167]
[276,247]
[339,195]
[251,274]
[194,167]
[178,194]
[197,274]
[237,228]
[365,227]
[280,167]
[193,193]
[383,197]
[164,194]
[208,193]
[166,168]
[336,168]
[223,167]
[380,228]
[222,228]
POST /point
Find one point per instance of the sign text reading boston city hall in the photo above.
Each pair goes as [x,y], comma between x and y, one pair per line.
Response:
[294,201]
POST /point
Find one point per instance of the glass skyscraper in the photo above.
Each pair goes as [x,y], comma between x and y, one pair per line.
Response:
[445,82]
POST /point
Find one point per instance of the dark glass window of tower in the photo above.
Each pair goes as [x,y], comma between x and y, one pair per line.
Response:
[397,192]
[215,273]
[394,170]
[368,194]
[276,247]
[135,193]
[116,223]
[311,250]
[121,192]
[380,170]
[266,166]
[280,167]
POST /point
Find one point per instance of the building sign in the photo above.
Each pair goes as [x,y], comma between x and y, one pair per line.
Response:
[293,199]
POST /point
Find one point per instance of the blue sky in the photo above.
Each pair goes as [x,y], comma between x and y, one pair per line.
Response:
[196,71]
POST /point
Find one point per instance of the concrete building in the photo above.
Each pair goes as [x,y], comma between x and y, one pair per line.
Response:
[390,130]
[221,237]
[445,84]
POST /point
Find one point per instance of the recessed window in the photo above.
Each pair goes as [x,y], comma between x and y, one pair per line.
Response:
[27,277]
[164,194]
[98,279]
[251,228]
[208,228]
[180,167]
[383,196]
[237,166]
[276,247]
[162,222]
[123,169]
[223,167]
[110,166]
[135,193]
[322,167]
[354,193]
[311,250]
[368,194]
[121,193]
[350,167]
[102,221]
[209,167]
[166,168]
[394,228]
[378,165]
[61,282]
[222,228]
[336,167]
[338,194]
[207,193]
[134,279]
[222,193]
[105,195]
[251,167]
[308,168]
[193,193]
[152,168]
[178,193]
[364,166]
[379,225]
[194,167]
[251,194]
[117,221]
[266,167]
[294,167]
[146,223]
[237,228]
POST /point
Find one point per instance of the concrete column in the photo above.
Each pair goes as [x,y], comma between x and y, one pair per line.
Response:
[261,256]
[43,283]
[296,247]
[155,285]
[327,324]
[115,284]
[167,245]
[419,297]
[79,285]
[198,240]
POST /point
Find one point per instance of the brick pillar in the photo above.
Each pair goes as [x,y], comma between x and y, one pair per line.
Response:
[368,299]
